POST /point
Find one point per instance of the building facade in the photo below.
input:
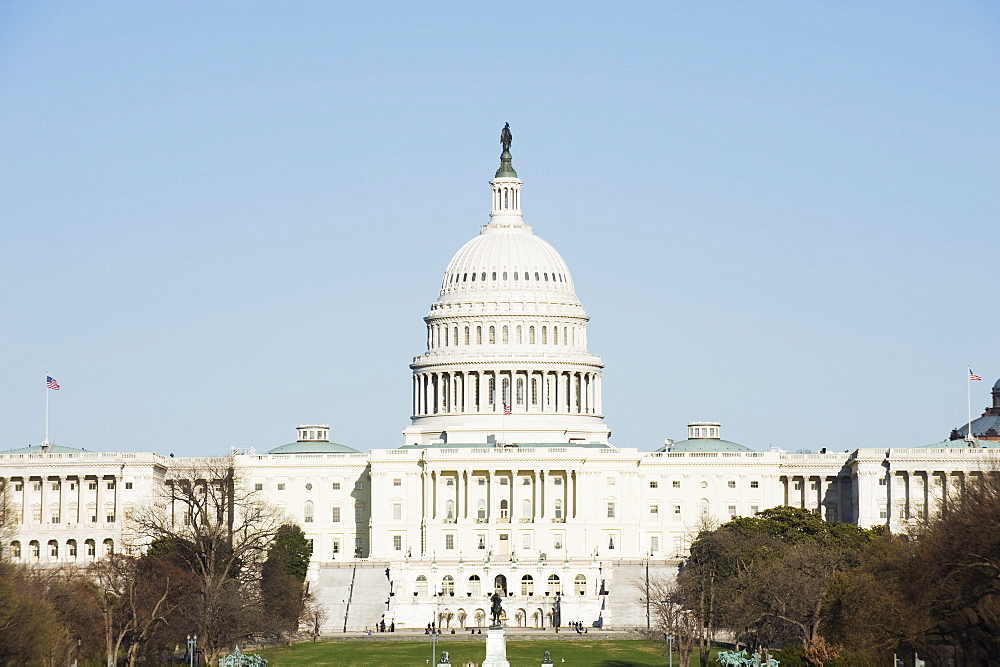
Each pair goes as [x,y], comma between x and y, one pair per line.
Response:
[505,479]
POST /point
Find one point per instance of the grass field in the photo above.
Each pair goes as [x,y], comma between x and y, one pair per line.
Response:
[603,653]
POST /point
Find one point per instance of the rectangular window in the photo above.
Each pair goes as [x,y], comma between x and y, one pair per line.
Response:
[110,518]
[654,512]
[883,513]
[504,481]
[281,486]
[258,487]
[676,484]
[359,545]
[558,481]
[611,510]
[732,510]
[754,484]
[18,486]
[482,481]
[358,513]
[653,484]
[654,544]
[37,486]
[336,546]
[359,485]
[755,509]
[128,485]
[397,511]
[526,541]
[677,512]
[111,485]
[611,481]
[397,482]
[882,481]
[814,485]
[797,486]
[449,541]
[450,481]
[55,486]
[397,542]
[308,518]
[309,545]
[525,481]
[731,484]
[557,541]
[336,515]
[92,486]
[55,518]
[336,486]
[482,541]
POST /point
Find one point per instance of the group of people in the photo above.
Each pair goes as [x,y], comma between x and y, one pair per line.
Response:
[578,626]
[381,627]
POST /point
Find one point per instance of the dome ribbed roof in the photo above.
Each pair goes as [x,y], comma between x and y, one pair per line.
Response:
[323,447]
[507,259]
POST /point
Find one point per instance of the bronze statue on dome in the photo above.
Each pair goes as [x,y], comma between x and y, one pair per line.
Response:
[505,137]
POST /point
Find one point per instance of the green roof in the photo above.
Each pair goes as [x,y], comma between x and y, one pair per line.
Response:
[37,449]
[706,445]
[313,448]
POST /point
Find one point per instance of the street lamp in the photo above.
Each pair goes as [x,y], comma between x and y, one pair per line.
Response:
[434,641]
[192,645]
[670,648]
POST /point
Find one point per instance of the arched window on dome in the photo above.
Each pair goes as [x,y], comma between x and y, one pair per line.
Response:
[555,335]
[465,277]
[534,391]
[493,390]
[519,339]
[482,276]
[565,335]
[456,336]
[545,335]
[505,275]
[526,276]
[536,275]
[546,277]
[446,337]
[466,335]
[520,391]
[494,275]
[506,391]
[506,201]
[515,275]
[493,335]
[505,335]
[531,335]
[479,335]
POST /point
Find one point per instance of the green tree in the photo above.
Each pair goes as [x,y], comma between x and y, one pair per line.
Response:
[282,578]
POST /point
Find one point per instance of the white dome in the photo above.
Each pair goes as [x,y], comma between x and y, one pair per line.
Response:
[507,259]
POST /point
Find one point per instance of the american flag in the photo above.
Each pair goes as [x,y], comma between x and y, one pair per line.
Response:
[50,382]
[973,376]
[506,409]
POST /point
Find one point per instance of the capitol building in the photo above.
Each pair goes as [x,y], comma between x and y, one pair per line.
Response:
[505,478]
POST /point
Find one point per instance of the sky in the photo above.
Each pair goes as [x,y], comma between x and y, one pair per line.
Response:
[222,220]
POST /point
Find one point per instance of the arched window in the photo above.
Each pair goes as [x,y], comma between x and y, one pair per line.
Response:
[493,390]
[580,584]
[545,335]
[479,335]
[505,275]
[482,276]
[527,276]
[505,336]
[546,277]
[109,547]
[515,275]
[473,276]
[448,585]
[475,585]
[506,391]
[456,336]
[15,549]
[53,549]
[504,509]
[494,275]
[520,391]
[565,335]
[526,508]
[71,549]
[465,277]
[91,548]
[553,584]
[36,549]
[421,586]
[559,509]
[466,335]
[555,335]
[493,335]
[531,335]
[481,510]
[307,512]
[536,275]
[527,585]
[450,509]
[519,340]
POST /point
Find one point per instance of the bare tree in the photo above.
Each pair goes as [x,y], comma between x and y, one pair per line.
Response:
[670,615]
[208,521]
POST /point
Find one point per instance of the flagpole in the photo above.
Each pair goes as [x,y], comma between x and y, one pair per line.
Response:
[46,409]
[968,386]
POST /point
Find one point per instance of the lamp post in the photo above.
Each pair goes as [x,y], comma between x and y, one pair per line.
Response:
[670,648]
[647,593]
[192,644]
[434,641]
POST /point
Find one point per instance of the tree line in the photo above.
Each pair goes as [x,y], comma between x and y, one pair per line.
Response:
[207,558]
[813,592]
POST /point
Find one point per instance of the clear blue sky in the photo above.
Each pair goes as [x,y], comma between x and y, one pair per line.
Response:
[224,219]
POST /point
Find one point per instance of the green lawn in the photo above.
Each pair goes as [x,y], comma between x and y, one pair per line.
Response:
[605,653]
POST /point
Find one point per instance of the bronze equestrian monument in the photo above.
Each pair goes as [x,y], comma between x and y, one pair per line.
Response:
[496,641]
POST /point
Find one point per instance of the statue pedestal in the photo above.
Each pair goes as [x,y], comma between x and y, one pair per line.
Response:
[496,648]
